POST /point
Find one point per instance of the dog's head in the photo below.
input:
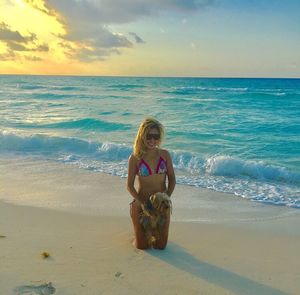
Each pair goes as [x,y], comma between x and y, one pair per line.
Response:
[161,202]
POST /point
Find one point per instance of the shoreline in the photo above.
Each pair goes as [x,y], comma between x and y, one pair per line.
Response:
[68,188]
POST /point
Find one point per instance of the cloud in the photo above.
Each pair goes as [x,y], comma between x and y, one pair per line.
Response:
[121,11]
[137,38]
[9,55]
[6,34]
[89,55]
[41,6]
[87,23]
[89,43]
[15,46]
[33,58]
[15,41]
[99,37]
[41,47]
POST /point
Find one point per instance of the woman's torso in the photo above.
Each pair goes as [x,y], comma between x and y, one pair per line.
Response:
[151,174]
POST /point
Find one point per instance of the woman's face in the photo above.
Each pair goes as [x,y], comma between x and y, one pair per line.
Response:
[152,138]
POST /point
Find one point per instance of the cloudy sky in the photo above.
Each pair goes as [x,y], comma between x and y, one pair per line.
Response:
[218,38]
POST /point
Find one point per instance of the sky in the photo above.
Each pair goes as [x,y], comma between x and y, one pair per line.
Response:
[185,38]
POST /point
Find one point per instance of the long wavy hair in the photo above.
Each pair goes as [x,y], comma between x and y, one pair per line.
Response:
[139,147]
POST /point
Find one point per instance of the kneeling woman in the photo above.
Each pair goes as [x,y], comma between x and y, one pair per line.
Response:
[153,167]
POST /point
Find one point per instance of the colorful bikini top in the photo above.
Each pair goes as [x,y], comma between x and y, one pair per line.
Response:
[145,170]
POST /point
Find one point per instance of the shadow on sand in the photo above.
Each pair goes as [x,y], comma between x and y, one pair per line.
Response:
[181,259]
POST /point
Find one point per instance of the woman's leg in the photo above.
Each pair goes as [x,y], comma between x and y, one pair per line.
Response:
[161,236]
[135,213]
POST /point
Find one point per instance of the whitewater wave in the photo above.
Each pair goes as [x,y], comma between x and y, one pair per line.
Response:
[217,165]
[228,166]
[13,142]
[254,180]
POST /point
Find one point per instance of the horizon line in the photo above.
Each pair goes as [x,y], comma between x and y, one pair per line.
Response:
[167,77]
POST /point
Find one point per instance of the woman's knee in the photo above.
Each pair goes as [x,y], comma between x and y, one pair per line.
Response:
[160,245]
[140,244]
[161,242]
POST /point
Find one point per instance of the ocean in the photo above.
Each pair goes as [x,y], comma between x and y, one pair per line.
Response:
[233,135]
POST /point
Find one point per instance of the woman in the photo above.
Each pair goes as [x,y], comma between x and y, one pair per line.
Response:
[153,166]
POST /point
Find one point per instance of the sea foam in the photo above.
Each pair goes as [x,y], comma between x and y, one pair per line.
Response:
[249,179]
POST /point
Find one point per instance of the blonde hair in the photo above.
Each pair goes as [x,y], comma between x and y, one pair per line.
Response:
[139,147]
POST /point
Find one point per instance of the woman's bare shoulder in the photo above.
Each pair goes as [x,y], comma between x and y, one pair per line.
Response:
[132,158]
[164,153]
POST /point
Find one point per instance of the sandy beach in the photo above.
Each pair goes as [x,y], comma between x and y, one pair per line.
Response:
[91,252]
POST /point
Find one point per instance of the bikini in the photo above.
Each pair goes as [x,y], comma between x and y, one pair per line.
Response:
[144,169]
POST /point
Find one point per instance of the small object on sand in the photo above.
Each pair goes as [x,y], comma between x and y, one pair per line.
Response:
[45,255]
[119,275]
[2,237]
[45,289]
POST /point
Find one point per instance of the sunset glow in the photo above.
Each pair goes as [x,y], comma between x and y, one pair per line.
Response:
[163,38]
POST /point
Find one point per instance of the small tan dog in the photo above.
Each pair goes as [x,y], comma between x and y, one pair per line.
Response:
[154,215]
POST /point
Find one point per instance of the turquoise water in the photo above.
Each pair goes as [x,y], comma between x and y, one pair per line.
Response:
[232,135]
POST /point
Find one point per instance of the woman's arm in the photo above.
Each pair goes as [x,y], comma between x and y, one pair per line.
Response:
[170,174]
[132,163]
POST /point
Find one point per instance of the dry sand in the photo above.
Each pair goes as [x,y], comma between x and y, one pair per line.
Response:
[94,255]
